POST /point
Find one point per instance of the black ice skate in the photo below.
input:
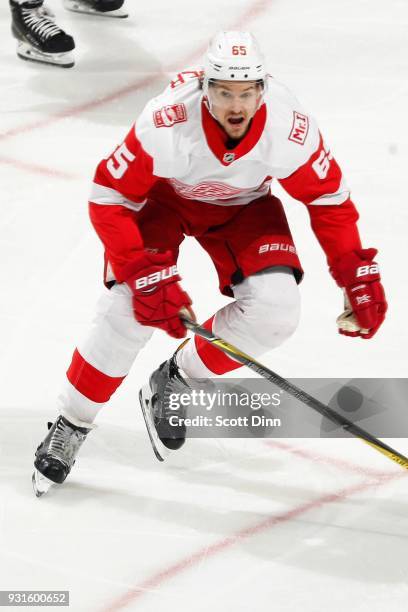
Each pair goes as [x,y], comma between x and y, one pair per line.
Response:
[38,37]
[154,401]
[55,456]
[103,8]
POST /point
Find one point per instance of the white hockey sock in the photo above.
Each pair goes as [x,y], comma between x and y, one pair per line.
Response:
[105,356]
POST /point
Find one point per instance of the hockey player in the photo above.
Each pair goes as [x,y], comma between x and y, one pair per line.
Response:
[199,162]
[39,39]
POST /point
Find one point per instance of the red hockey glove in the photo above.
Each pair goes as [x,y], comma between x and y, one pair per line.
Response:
[157,295]
[365,302]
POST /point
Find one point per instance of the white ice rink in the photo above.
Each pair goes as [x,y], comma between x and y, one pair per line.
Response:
[294,525]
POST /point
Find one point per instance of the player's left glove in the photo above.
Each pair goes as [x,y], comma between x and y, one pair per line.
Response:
[365,304]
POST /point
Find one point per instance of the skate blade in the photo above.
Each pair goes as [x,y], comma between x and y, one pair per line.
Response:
[159,449]
[78,7]
[41,484]
[62,60]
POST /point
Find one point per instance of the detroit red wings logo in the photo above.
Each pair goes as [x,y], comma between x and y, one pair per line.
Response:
[213,190]
[167,116]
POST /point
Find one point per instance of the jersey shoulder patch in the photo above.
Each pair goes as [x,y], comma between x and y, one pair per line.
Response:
[300,128]
[167,123]
[169,114]
[293,131]
[171,106]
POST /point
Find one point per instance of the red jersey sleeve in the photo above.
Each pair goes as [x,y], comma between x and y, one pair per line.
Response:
[319,184]
[121,184]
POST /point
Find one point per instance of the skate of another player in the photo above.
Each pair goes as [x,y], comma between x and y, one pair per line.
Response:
[40,39]
[99,8]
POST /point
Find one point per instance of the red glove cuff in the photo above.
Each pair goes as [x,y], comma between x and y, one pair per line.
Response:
[355,267]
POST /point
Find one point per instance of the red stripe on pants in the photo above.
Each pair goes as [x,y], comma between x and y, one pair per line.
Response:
[89,381]
[214,359]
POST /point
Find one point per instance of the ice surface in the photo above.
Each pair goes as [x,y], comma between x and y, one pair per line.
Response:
[231,525]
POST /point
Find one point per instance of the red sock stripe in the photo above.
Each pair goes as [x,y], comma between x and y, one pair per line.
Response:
[89,381]
[215,360]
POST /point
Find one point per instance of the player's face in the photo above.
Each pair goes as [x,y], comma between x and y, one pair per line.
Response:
[234,105]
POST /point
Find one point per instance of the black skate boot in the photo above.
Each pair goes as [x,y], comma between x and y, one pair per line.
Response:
[38,37]
[103,8]
[155,404]
[55,456]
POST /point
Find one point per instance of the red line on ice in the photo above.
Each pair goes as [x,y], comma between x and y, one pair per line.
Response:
[81,108]
[317,458]
[251,12]
[212,550]
[36,168]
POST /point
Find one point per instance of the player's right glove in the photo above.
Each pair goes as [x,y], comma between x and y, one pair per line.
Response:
[365,304]
[157,296]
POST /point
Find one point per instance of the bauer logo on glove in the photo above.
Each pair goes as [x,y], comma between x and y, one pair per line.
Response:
[156,277]
[365,303]
[157,295]
[364,270]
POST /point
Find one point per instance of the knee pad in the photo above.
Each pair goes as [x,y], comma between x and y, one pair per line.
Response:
[266,311]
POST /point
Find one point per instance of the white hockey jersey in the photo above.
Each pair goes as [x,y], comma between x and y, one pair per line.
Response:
[177,140]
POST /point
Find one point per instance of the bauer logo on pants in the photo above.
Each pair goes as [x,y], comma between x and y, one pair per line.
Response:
[277,246]
[169,115]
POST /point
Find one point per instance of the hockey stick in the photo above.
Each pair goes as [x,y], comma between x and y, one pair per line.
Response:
[296,392]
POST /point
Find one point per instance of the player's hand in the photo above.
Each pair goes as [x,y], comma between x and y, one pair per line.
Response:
[157,295]
[365,304]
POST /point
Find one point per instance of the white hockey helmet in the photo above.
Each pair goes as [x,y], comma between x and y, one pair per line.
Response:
[233,56]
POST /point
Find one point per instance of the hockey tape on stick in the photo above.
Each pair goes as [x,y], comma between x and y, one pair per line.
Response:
[296,392]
